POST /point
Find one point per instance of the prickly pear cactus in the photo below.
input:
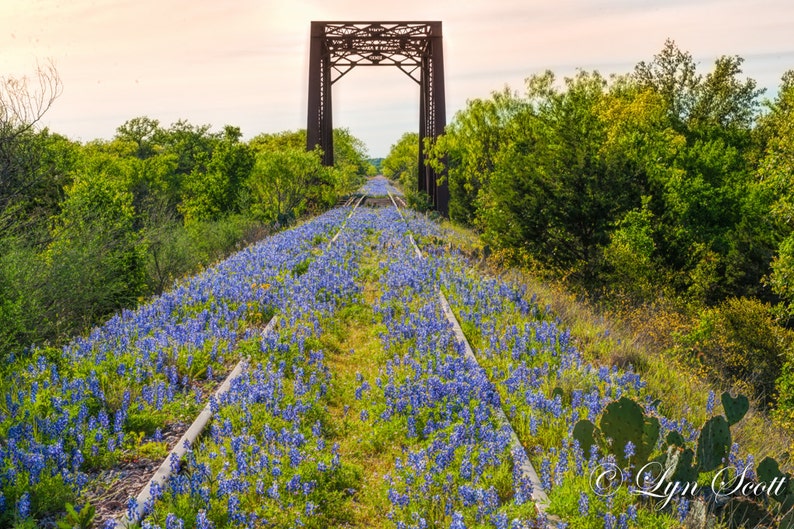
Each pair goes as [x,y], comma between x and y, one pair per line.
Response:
[680,464]
[735,409]
[768,469]
[625,421]
[713,444]
[584,432]
[650,434]
[675,438]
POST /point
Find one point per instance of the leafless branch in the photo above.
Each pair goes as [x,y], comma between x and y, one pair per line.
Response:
[24,101]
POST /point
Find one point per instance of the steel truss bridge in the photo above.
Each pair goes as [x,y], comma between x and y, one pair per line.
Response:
[413,47]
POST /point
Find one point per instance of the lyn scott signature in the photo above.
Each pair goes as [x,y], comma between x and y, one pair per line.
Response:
[606,479]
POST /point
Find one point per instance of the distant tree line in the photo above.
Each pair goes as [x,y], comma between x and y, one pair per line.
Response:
[88,229]
[663,183]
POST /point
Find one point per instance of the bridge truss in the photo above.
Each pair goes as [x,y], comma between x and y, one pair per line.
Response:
[413,47]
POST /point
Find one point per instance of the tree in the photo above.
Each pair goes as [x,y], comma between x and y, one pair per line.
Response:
[280,180]
[144,132]
[214,192]
[96,264]
[673,75]
[724,102]
[350,153]
[470,145]
[280,140]
[554,194]
[327,185]
[190,143]
[777,176]
[709,210]
[33,169]
[21,107]
[402,163]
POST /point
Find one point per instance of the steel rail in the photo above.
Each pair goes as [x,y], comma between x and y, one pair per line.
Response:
[184,444]
[199,424]
[520,458]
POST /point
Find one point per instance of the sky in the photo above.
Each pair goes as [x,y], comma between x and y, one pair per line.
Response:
[245,62]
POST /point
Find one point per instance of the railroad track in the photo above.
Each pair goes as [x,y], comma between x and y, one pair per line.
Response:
[197,427]
[520,457]
[195,430]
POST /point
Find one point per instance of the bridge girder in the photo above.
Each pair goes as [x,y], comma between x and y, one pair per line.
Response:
[413,47]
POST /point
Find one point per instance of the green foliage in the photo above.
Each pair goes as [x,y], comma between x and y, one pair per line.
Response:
[154,450]
[665,185]
[142,132]
[279,183]
[88,229]
[402,166]
[213,192]
[286,181]
[672,74]
[551,192]
[630,255]
[471,147]
[74,519]
[740,342]
[32,164]
[777,173]
[96,264]
[21,275]
[48,495]
[350,160]
[191,144]
[402,163]
[644,182]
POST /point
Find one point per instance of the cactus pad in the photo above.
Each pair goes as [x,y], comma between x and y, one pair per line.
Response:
[713,443]
[583,431]
[624,421]
[736,408]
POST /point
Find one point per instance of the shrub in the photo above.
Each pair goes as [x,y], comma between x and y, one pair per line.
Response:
[739,342]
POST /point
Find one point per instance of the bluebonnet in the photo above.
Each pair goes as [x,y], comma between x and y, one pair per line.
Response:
[457,521]
[629,449]
[23,506]
[202,522]
[584,504]
[173,522]
[447,402]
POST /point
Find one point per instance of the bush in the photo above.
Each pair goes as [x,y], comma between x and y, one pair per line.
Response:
[175,250]
[630,253]
[96,264]
[281,181]
[740,343]
[20,273]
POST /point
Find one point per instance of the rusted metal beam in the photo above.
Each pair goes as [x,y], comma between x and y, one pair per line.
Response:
[414,47]
[319,126]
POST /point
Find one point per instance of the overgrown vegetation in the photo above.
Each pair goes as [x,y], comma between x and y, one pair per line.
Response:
[662,194]
[88,229]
